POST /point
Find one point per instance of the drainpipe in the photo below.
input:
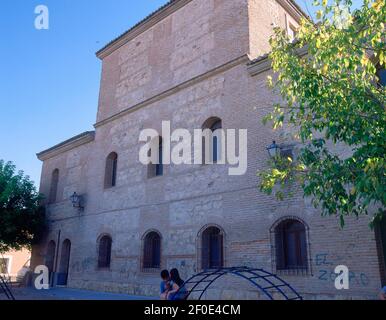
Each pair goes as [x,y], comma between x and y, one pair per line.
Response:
[56,261]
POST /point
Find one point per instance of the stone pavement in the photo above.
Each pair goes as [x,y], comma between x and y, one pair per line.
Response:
[69,294]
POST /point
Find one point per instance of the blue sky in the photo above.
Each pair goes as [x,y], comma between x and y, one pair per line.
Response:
[49,79]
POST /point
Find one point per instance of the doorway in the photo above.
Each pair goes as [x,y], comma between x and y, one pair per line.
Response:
[381,243]
[50,260]
[64,263]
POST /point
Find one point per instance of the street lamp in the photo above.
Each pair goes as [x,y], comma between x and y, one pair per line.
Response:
[76,201]
[273,150]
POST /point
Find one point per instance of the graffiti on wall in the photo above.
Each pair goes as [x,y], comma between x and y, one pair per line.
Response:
[326,271]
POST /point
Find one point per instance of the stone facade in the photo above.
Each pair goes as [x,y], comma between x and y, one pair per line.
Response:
[186,63]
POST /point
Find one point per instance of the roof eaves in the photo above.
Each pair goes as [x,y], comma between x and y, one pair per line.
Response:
[299,8]
[120,40]
[258,59]
[69,144]
[264,63]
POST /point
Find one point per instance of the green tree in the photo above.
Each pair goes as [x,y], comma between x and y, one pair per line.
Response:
[21,216]
[332,94]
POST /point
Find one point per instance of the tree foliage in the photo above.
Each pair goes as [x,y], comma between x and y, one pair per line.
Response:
[332,95]
[21,216]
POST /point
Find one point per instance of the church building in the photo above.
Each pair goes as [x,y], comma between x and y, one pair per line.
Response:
[114,223]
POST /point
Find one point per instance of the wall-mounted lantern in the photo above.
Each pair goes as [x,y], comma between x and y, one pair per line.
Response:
[76,201]
[273,150]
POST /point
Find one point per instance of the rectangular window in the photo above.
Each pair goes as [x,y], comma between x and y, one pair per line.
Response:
[292,32]
[292,28]
[4,265]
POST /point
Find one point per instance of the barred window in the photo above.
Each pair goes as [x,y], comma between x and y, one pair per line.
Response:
[111,170]
[152,251]
[54,186]
[104,252]
[212,248]
[291,245]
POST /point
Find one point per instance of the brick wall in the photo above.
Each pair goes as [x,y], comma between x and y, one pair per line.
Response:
[201,38]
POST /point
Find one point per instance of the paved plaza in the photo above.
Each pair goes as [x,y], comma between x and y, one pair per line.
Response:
[70,294]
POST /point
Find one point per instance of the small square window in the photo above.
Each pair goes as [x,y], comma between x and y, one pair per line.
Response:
[381,74]
[4,265]
[292,32]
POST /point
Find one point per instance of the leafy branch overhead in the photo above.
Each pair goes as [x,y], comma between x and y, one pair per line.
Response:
[21,216]
[334,95]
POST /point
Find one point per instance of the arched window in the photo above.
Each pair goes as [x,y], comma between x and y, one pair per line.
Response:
[157,169]
[104,252]
[212,248]
[54,186]
[152,251]
[64,263]
[111,170]
[215,144]
[291,245]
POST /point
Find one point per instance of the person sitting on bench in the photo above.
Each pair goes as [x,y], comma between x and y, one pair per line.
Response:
[178,290]
[165,284]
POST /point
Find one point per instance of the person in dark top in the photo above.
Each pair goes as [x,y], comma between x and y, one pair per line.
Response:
[178,290]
